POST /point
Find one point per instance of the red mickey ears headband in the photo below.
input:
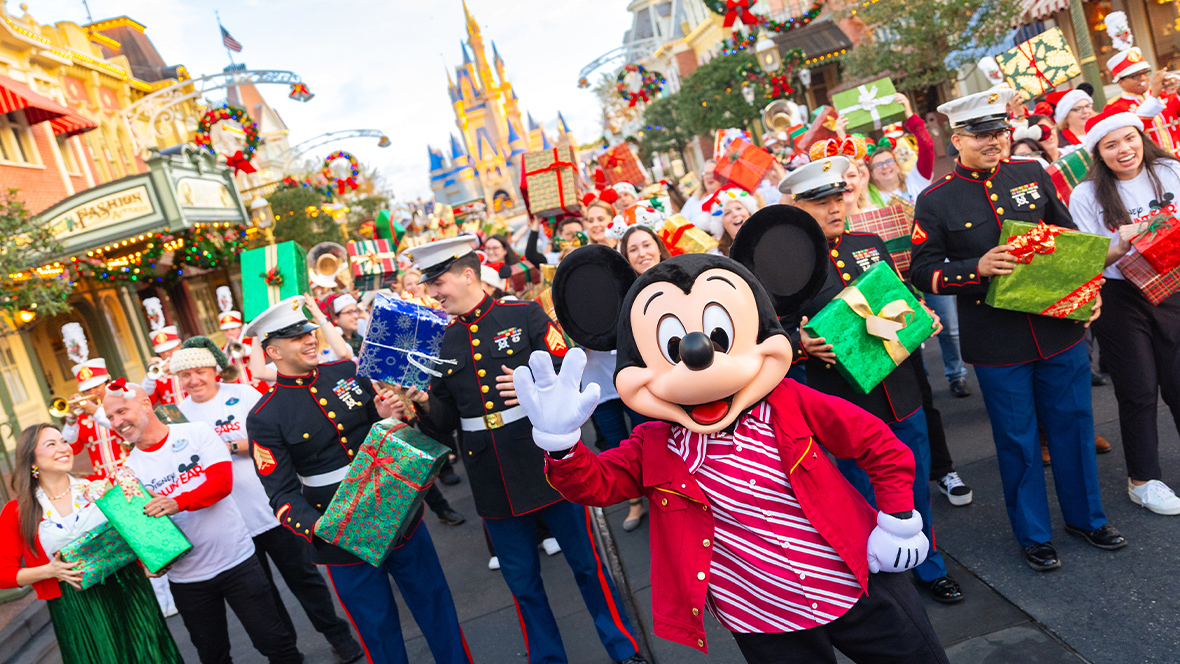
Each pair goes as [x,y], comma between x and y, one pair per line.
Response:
[118,388]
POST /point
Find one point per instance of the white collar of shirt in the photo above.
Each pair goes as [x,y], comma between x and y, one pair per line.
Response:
[691,446]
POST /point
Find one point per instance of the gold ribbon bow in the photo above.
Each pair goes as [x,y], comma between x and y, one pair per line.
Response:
[374,257]
[884,324]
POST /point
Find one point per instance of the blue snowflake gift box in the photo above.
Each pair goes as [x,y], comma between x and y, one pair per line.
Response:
[402,343]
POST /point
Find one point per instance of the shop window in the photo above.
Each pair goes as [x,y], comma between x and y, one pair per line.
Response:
[1096,13]
[11,372]
[16,141]
[115,324]
[67,155]
[205,304]
[1164,19]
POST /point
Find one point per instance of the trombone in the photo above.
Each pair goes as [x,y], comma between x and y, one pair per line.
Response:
[60,407]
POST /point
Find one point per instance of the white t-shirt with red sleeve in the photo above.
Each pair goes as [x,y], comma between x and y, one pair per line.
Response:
[226,412]
[177,466]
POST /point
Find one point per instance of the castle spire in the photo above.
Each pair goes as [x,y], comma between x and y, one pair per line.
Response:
[496,59]
[473,33]
[466,55]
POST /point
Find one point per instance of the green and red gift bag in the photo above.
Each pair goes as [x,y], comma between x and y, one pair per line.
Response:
[892,225]
[873,325]
[1058,271]
[99,554]
[549,182]
[1068,171]
[1159,242]
[270,275]
[385,485]
[155,540]
[373,263]
[743,164]
[1156,286]
[620,165]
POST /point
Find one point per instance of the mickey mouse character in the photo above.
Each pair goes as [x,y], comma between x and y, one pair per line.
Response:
[751,519]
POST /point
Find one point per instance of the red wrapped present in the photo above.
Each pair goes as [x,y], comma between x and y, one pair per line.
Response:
[520,276]
[1159,243]
[549,182]
[892,225]
[743,164]
[1156,286]
[620,165]
[821,128]
[373,263]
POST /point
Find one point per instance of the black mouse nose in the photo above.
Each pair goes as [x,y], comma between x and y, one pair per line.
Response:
[696,351]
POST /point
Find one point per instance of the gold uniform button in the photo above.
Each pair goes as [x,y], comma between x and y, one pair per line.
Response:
[477,313]
[958,277]
[475,342]
[706,543]
[846,276]
[340,427]
[509,351]
[839,263]
[299,381]
[313,390]
[488,405]
[482,373]
[332,414]
[989,184]
[478,357]
[307,435]
[995,197]
[1000,210]
[484,389]
[474,327]
[344,439]
[968,224]
[835,253]
[349,452]
[700,576]
[323,402]
[971,276]
[296,524]
[1032,206]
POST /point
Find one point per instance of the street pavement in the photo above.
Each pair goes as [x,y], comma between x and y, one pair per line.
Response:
[1102,607]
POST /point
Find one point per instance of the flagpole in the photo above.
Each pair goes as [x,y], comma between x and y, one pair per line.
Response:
[221,34]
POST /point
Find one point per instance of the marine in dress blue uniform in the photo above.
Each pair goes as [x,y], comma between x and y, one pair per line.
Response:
[506,469]
[1033,370]
[304,433]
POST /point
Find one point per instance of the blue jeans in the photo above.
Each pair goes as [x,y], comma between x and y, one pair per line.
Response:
[948,339]
[515,539]
[368,600]
[911,431]
[1060,403]
[611,418]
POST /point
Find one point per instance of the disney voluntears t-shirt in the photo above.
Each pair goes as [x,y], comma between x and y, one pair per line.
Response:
[177,466]
[1141,202]
[226,412]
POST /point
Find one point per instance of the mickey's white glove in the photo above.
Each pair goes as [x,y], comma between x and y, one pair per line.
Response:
[896,545]
[555,404]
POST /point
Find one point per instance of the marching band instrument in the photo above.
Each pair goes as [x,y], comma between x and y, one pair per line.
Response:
[327,262]
[60,407]
[158,370]
[235,350]
[778,115]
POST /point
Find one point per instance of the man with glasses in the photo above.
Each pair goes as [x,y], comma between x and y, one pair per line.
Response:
[346,314]
[1032,369]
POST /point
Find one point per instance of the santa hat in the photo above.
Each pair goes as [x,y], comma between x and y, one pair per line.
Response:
[608,196]
[1102,124]
[341,302]
[626,188]
[165,339]
[491,277]
[195,353]
[1066,101]
[119,388]
[91,373]
[1128,60]
[730,192]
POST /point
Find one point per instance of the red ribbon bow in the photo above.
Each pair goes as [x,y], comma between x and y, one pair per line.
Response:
[739,8]
[345,182]
[780,86]
[1039,240]
[272,277]
[240,162]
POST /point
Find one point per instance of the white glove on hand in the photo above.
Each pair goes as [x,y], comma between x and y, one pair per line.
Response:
[556,404]
[896,545]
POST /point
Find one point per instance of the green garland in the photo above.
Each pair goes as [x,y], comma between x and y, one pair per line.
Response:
[775,85]
[205,248]
[737,42]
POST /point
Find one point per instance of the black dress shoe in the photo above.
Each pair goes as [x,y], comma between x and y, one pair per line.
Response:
[448,476]
[634,659]
[450,517]
[348,651]
[945,590]
[1097,379]
[1042,557]
[959,388]
[1106,537]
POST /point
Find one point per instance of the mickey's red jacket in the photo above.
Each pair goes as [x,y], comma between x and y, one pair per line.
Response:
[806,423]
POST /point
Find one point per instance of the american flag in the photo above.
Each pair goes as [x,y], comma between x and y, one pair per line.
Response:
[230,43]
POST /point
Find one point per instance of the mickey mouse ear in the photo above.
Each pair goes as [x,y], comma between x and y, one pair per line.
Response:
[588,292]
[784,247]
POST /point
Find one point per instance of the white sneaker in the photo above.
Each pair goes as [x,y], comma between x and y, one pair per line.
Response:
[1155,496]
[494,563]
[955,490]
[551,546]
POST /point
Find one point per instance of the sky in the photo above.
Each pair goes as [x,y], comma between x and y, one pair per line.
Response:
[379,64]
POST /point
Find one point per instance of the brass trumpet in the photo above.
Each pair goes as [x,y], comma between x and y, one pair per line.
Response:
[235,350]
[60,407]
[157,370]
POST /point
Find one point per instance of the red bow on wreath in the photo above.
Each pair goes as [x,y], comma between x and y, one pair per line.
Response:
[345,182]
[240,162]
[272,277]
[637,95]
[780,86]
[739,8]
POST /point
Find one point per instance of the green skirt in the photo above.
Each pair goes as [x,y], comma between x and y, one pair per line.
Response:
[116,621]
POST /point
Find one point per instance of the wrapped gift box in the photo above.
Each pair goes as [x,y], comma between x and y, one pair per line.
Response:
[892,225]
[402,342]
[870,106]
[1058,271]
[549,181]
[386,482]
[1069,170]
[156,541]
[1040,64]
[99,554]
[373,263]
[1156,286]
[387,228]
[1159,243]
[620,165]
[873,325]
[521,276]
[821,128]
[743,164]
[682,237]
[270,275]
[169,413]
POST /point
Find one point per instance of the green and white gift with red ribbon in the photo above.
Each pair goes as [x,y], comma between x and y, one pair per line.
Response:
[270,275]
[1058,272]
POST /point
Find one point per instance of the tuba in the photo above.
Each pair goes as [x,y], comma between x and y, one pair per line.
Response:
[326,262]
[778,115]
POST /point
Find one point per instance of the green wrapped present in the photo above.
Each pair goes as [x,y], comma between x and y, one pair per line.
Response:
[1040,64]
[870,106]
[873,325]
[270,275]
[1058,271]
[99,554]
[155,540]
[388,228]
[384,487]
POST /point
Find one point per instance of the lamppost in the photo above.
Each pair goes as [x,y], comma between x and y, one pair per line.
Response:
[767,52]
[263,217]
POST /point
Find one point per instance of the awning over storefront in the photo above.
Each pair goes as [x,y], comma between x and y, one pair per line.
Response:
[1039,10]
[16,96]
[819,38]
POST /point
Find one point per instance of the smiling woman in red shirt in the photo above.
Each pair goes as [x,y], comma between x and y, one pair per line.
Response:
[117,620]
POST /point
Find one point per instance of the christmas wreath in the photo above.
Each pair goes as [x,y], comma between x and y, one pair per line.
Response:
[738,42]
[733,11]
[777,84]
[342,183]
[239,161]
[650,84]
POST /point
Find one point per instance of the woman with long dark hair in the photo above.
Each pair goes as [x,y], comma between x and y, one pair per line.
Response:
[499,252]
[1132,182]
[117,620]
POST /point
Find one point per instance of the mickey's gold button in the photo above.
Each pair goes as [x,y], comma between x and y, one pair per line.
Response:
[700,576]
[696,612]
[664,501]
[478,357]
[488,405]
[968,224]
[706,543]
[323,402]
[307,435]
[484,389]
[835,253]
[705,508]
[332,414]
[701,643]
[474,327]
[475,342]
[999,210]
[482,373]
[839,263]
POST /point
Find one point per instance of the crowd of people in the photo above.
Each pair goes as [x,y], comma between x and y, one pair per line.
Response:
[244,444]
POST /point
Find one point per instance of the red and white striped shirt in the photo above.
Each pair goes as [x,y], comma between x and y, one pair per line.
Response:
[771,571]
